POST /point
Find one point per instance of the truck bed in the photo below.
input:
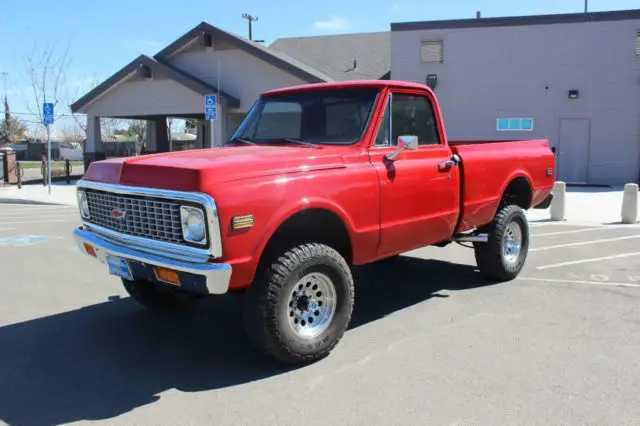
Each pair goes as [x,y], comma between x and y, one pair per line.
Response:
[488,167]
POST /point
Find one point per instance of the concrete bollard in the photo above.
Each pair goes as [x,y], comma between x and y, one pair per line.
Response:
[559,200]
[630,203]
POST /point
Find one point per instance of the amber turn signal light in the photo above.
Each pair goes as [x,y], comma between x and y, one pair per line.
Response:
[89,249]
[242,222]
[167,275]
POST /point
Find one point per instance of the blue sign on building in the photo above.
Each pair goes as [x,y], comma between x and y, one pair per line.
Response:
[210,107]
[47,113]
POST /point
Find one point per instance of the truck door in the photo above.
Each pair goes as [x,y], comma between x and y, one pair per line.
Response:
[420,191]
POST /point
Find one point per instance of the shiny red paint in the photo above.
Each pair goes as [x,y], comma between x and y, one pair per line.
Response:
[386,207]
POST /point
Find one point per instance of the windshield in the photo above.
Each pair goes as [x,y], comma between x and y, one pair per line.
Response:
[337,116]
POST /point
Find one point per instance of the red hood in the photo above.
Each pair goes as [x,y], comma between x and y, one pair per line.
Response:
[196,170]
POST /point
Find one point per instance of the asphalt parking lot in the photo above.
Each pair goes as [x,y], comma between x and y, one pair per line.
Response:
[430,342]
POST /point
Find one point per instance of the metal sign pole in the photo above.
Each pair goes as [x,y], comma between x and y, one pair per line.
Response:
[211,126]
[47,118]
[49,157]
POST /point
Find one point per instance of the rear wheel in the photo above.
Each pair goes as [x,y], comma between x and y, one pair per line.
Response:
[157,297]
[503,256]
[299,310]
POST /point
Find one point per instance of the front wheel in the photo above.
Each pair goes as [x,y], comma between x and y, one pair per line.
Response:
[299,310]
[503,256]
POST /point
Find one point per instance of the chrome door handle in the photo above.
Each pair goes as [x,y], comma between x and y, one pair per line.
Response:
[446,165]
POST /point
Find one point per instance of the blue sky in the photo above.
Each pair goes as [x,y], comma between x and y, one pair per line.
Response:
[104,36]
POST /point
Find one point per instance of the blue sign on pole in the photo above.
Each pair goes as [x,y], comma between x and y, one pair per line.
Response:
[47,113]
[210,107]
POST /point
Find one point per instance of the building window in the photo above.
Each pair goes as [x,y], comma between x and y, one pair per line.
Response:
[637,43]
[432,51]
[514,124]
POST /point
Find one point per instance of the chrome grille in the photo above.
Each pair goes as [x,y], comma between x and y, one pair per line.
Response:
[153,218]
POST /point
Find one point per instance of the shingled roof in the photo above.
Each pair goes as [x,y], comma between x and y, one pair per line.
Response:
[336,55]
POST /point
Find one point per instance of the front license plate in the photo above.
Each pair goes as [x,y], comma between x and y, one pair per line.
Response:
[119,267]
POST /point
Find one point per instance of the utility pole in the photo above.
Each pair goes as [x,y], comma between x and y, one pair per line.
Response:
[4,79]
[7,114]
[586,2]
[251,20]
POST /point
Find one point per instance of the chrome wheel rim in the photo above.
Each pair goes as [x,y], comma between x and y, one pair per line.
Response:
[311,305]
[512,243]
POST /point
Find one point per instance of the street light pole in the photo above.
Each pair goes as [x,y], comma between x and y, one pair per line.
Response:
[586,6]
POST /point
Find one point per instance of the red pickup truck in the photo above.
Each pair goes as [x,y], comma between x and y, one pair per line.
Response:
[317,178]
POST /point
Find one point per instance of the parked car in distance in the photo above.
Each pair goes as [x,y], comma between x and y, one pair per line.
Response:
[316,179]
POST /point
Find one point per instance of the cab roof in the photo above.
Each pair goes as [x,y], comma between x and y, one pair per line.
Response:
[377,84]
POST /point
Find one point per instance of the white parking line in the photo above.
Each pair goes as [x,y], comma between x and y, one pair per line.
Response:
[40,221]
[594,259]
[23,216]
[604,283]
[11,215]
[538,225]
[7,229]
[34,207]
[583,243]
[569,232]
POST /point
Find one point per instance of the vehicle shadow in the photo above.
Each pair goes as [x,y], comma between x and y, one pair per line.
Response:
[107,359]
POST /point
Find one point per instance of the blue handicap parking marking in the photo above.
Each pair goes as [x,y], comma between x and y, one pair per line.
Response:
[26,240]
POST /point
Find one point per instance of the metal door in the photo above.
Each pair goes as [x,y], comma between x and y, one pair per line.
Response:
[573,150]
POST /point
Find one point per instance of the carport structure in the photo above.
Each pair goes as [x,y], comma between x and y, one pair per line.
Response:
[174,82]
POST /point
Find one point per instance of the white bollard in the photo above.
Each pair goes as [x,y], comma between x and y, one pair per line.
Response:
[559,200]
[630,203]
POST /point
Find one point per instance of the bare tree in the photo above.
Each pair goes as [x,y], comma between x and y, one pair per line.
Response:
[109,126]
[138,128]
[73,135]
[46,73]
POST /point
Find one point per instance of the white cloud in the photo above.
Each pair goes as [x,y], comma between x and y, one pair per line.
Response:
[334,24]
[394,5]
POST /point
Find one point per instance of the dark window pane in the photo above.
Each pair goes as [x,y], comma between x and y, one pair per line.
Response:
[413,115]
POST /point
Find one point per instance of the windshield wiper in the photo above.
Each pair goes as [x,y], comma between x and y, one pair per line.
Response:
[312,145]
[246,141]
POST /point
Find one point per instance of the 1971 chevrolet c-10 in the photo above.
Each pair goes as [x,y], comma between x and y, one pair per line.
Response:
[316,178]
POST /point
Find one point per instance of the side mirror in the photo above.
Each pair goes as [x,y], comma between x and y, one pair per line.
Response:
[404,142]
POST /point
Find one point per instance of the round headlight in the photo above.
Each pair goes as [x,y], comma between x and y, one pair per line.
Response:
[83,202]
[193,224]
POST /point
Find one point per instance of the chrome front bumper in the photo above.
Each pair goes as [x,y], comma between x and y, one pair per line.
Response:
[216,275]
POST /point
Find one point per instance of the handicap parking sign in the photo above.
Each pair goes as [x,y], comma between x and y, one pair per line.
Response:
[210,107]
[47,113]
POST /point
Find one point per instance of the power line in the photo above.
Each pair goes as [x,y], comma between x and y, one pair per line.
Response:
[37,115]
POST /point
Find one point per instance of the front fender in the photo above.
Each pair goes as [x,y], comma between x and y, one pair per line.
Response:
[351,194]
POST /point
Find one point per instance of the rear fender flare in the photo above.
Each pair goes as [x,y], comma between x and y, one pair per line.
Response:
[515,175]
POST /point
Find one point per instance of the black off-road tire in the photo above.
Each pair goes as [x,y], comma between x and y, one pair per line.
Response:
[267,313]
[490,256]
[158,297]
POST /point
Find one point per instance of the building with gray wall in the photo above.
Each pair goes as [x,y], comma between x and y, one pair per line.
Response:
[573,79]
